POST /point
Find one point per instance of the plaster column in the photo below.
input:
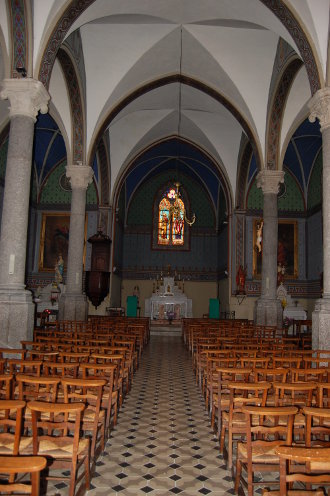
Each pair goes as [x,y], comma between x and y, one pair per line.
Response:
[27,97]
[73,304]
[268,309]
[320,109]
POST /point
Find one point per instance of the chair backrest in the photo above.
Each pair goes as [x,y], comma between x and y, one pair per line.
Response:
[12,465]
[323,395]
[31,367]
[313,467]
[299,394]
[273,427]
[246,393]
[54,427]
[11,414]
[321,374]
[73,357]
[37,388]
[6,381]
[63,369]
[270,374]
[317,421]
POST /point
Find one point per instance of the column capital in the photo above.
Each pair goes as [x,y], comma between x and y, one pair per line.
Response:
[269,180]
[27,97]
[80,175]
[319,105]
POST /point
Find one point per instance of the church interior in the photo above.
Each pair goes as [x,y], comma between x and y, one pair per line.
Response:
[165,161]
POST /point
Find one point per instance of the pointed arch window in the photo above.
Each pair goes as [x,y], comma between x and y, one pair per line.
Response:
[171,220]
[169,227]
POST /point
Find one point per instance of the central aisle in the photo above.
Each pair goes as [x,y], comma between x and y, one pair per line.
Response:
[163,443]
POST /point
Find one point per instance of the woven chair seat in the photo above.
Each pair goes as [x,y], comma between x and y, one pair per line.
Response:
[7,443]
[262,454]
[62,448]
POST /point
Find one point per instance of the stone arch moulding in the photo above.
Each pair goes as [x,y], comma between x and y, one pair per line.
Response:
[182,79]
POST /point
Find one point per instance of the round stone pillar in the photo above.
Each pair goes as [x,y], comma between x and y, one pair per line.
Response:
[73,303]
[319,106]
[27,97]
[268,309]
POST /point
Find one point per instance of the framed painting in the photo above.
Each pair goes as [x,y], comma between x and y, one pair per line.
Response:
[287,247]
[54,240]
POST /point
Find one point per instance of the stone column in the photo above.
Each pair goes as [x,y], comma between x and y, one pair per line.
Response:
[27,97]
[268,308]
[73,303]
[319,106]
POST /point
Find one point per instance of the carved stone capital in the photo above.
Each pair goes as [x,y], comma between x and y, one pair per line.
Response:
[269,180]
[26,96]
[319,106]
[80,175]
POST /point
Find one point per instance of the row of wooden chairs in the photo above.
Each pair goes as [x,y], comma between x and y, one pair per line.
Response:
[55,436]
[262,393]
[71,397]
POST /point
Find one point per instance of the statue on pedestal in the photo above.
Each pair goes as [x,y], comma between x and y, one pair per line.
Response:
[59,269]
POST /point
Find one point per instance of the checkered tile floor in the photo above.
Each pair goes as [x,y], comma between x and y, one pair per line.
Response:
[163,443]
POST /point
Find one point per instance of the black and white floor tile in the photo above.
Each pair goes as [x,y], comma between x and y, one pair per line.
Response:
[163,443]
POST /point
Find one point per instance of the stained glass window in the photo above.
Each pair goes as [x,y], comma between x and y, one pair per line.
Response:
[171,219]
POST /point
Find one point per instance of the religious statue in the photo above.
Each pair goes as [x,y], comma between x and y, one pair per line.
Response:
[59,269]
[259,236]
[240,280]
[280,274]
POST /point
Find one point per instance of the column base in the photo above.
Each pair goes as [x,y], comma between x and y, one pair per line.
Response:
[268,312]
[320,324]
[17,314]
[72,307]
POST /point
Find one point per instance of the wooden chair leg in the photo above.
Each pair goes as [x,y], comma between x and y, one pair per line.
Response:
[238,475]
[35,480]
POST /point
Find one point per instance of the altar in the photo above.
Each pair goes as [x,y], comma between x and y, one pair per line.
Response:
[168,302]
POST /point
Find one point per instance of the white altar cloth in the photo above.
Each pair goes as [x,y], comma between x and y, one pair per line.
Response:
[169,301]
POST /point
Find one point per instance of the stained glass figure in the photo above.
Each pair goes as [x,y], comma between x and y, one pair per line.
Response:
[171,219]
[164,222]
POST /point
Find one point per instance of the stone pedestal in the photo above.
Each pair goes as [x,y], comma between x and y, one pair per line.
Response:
[320,109]
[17,314]
[73,307]
[27,97]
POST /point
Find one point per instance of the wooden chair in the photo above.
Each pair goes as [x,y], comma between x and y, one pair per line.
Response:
[298,394]
[109,395]
[73,356]
[63,369]
[266,428]
[30,367]
[118,360]
[220,392]
[317,431]
[89,392]
[323,395]
[234,421]
[11,419]
[51,439]
[302,466]
[41,355]
[6,383]
[12,465]
[321,374]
